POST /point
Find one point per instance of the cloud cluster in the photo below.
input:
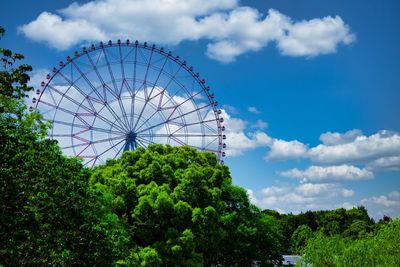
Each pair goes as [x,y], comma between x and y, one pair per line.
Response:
[334,159]
[330,173]
[361,149]
[350,147]
[260,124]
[285,150]
[340,157]
[253,110]
[229,28]
[307,196]
[381,205]
[239,140]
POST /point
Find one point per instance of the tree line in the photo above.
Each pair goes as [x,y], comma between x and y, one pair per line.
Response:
[340,237]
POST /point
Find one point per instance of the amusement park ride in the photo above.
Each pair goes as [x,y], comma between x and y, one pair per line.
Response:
[114,97]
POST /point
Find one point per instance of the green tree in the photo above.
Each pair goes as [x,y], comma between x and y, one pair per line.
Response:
[300,237]
[13,78]
[380,248]
[49,216]
[181,204]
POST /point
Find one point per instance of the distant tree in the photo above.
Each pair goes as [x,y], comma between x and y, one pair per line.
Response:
[380,248]
[349,223]
[385,219]
[357,229]
[300,237]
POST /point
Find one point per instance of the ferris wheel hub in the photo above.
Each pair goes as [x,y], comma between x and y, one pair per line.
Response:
[130,144]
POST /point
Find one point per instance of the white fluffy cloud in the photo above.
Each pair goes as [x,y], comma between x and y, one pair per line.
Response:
[307,196]
[65,33]
[253,110]
[383,204]
[335,138]
[330,173]
[340,150]
[387,163]
[314,37]
[347,192]
[284,150]
[230,29]
[361,149]
[309,189]
[230,109]
[260,124]
[238,140]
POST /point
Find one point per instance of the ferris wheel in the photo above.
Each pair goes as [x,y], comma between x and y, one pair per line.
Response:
[114,97]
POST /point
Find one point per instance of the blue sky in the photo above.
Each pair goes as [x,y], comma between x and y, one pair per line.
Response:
[312,88]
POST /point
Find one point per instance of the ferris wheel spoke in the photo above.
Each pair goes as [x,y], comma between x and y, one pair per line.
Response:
[83,150]
[83,75]
[148,119]
[105,151]
[58,108]
[144,140]
[175,107]
[143,144]
[145,76]
[71,83]
[162,94]
[52,97]
[119,151]
[212,141]
[52,88]
[96,70]
[169,120]
[118,96]
[178,135]
[121,106]
[151,92]
[163,91]
[121,62]
[88,127]
[109,69]
[191,98]
[116,117]
[178,141]
[93,142]
[105,87]
[134,89]
[85,97]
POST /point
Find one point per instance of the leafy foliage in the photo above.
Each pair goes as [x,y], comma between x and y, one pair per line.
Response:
[379,248]
[296,229]
[13,79]
[49,215]
[180,207]
[300,237]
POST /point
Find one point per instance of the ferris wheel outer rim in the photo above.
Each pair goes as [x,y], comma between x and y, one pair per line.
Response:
[196,76]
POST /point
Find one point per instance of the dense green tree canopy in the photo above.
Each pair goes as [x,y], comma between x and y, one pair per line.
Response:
[378,248]
[349,223]
[49,215]
[179,205]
